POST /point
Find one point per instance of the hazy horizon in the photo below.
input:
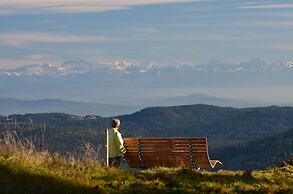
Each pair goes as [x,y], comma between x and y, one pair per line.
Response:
[174,33]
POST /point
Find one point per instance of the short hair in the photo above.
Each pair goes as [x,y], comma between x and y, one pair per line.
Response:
[115,122]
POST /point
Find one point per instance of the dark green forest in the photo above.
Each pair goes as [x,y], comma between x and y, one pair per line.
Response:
[248,138]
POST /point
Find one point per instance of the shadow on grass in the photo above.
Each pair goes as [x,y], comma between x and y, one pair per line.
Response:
[18,181]
[193,176]
[181,181]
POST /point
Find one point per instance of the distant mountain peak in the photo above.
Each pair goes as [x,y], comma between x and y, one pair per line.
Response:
[64,69]
[76,67]
[289,64]
[122,65]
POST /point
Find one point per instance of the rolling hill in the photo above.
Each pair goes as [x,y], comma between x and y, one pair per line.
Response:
[259,153]
[226,129]
[13,106]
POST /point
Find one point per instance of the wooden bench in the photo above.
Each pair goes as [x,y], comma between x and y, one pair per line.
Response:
[168,152]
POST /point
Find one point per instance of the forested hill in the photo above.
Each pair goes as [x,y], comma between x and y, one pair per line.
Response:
[265,152]
[225,127]
[222,125]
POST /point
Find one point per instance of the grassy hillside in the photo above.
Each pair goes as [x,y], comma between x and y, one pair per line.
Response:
[20,178]
[23,169]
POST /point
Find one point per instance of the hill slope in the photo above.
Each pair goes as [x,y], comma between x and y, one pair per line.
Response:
[13,106]
[66,177]
[222,125]
[24,169]
[224,128]
[259,153]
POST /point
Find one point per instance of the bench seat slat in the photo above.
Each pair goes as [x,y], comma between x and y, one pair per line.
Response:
[147,159]
[168,152]
[165,154]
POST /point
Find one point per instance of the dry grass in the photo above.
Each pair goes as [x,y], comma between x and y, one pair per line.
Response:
[20,161]
[24,150]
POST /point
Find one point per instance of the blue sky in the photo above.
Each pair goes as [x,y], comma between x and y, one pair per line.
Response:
[164,31]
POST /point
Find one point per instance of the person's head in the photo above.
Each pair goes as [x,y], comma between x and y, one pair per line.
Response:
[115,122]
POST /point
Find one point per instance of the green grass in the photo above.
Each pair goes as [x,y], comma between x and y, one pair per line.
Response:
[25,170]
[17,176]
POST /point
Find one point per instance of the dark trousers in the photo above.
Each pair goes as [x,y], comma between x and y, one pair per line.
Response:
[115,162]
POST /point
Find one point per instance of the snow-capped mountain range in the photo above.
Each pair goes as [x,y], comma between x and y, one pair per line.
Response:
[124,67]
[130,83]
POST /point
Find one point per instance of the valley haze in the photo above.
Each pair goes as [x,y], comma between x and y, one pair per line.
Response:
[132,52]
[122,83]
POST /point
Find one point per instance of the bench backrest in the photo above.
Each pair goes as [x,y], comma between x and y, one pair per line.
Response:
[167,152]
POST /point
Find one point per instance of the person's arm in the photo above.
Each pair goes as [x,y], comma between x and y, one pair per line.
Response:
[119,143]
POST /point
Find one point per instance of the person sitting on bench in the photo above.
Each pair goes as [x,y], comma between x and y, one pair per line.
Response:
[116,144]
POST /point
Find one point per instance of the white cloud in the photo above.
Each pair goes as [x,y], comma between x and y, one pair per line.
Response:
[210,38]
[144,30]
[254,5]
[288,47]
[255,24]
[282,47]
[24,38]
[13,63]
[76,6]
[266,24]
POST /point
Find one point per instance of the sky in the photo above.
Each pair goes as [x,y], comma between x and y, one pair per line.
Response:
[164,31]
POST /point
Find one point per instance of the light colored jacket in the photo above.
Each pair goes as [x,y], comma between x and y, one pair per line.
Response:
[116,147]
